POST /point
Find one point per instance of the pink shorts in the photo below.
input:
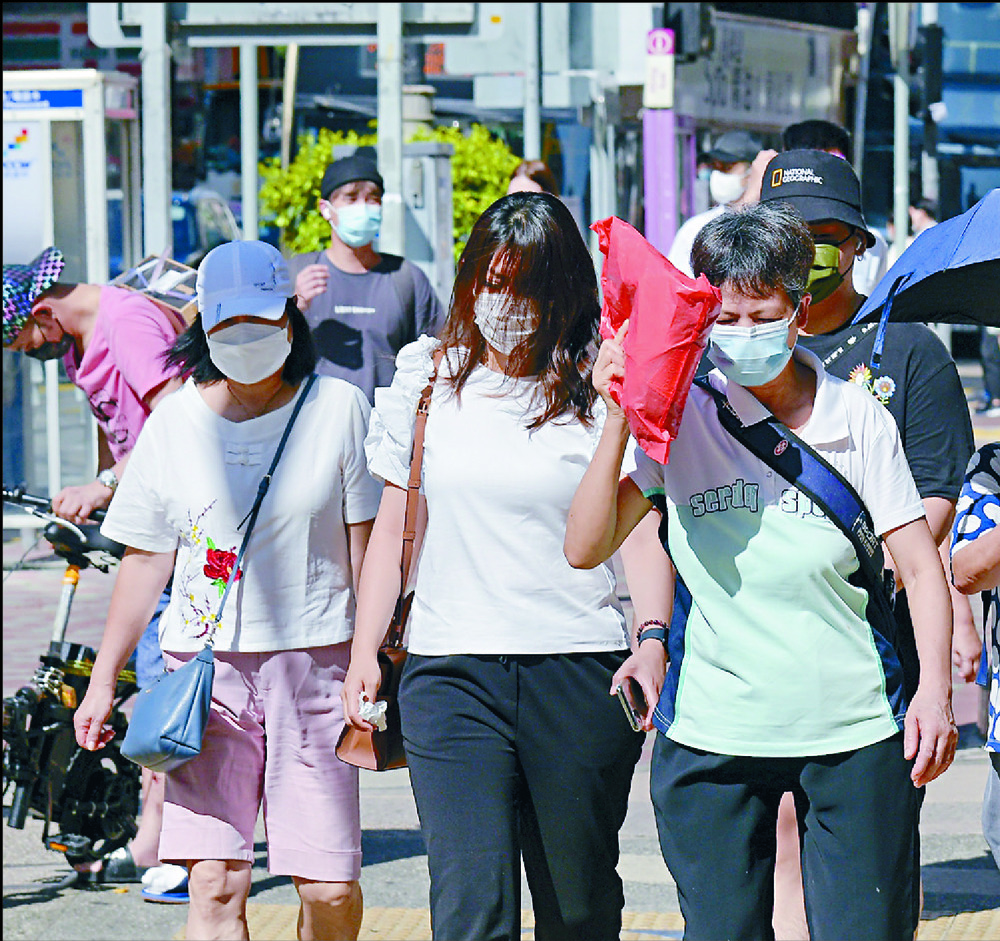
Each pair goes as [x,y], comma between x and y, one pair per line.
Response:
[271,735]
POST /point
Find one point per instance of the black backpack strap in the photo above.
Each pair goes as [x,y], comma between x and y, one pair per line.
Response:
[783,451]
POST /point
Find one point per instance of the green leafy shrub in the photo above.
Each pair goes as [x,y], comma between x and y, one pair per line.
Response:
[480,169]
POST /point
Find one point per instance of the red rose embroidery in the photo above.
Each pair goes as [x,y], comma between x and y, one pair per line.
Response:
[220,564]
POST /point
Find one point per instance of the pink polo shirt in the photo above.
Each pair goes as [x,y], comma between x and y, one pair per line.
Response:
[122,364]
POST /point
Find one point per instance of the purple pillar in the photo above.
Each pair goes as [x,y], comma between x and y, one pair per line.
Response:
[659,161]
[690,164]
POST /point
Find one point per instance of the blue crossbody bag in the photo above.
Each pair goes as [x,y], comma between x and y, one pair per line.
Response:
[170,716]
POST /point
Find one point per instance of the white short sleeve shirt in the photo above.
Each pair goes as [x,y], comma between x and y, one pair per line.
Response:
[492,577]
[778,658]
[192,478]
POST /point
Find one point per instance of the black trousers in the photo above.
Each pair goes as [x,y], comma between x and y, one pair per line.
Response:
[512,756]
[858,814]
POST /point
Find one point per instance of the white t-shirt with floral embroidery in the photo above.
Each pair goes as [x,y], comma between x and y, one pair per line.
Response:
[192,478]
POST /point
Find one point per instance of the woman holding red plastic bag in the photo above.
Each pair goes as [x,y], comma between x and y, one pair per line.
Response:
[783,676]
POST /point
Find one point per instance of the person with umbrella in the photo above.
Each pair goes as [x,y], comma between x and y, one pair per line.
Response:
[916,380]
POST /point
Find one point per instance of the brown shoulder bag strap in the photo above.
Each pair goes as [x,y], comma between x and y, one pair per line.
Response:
[395,639]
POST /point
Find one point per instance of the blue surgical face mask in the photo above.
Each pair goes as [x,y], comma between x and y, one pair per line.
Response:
[751,356]
[358,223]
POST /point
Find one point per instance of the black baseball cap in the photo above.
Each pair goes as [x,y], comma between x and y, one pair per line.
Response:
[735,147]
[349,170]
[821,186]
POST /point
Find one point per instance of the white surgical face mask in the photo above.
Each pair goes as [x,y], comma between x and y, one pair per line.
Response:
[249,352]
[726,188]
[358,223]
[502,323]
[751,356]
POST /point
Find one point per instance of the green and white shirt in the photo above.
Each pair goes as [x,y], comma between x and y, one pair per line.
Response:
[771,653]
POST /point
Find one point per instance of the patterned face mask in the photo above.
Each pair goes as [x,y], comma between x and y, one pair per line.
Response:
[502,322]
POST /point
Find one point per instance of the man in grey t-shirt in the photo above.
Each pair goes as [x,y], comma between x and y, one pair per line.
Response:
[363,306]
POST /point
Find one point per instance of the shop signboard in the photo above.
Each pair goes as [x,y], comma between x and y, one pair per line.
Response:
[764,74]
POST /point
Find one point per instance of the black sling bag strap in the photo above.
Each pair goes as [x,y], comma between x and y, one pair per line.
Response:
[786,453]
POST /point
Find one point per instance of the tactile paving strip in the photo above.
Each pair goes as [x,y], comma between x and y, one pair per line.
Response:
[277,923]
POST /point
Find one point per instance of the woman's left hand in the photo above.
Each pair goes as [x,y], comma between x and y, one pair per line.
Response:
[647,666]
[610,366]
[930,735]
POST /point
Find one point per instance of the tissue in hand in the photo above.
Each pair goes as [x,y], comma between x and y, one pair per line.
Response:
[373,712]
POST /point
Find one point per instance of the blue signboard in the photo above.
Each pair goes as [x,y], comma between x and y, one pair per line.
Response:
[42,99]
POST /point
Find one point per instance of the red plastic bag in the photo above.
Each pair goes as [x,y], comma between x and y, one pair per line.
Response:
[670,316]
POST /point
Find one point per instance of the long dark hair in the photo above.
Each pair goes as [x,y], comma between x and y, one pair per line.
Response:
[542,259]
[190,356]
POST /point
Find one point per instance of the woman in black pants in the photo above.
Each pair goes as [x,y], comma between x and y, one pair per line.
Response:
[515,746]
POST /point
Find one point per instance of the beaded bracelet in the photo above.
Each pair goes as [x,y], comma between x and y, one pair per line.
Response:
[654,628]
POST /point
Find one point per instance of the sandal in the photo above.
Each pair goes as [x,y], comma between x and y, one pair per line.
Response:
[167,883]
[178,896]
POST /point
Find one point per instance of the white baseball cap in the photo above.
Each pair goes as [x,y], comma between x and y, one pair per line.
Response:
[242,279]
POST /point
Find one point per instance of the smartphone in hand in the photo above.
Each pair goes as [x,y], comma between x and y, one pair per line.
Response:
[633,702]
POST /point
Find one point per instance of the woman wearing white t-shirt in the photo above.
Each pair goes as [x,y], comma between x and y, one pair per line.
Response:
[783,676]
[282,645]
[514,746]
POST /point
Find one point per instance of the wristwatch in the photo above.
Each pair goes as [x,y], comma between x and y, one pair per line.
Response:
[109,478]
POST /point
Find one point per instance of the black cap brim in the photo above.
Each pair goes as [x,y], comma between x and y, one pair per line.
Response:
[820,209]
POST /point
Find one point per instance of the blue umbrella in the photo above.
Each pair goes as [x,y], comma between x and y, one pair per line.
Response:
[950,274]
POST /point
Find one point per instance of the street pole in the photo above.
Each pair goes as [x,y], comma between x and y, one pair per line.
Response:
[390,125]
[533,86]
[157,169]
[866,23]
[928,156]
[659,141]
[899,35]
[249,129]
[288,103]
[598,164]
